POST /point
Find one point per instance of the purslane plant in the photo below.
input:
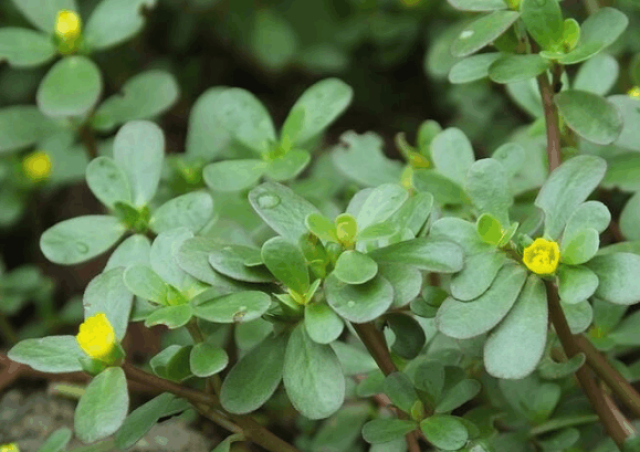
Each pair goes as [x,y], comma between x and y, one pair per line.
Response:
[430,288]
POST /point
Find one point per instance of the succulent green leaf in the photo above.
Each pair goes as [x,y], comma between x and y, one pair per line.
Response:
[43,14]
[405,280]
[103,406]
[57,441]
[630,217]
[313,376]
[452,154]
[70,88]
[576,284]
[170,316]
[139,151]
[141,420]
[207,359]
[51,354]
[191,211]
[597,75]
[273,40]
[354,267]
[108,182]
[321,227]
[425,254]
[107,293]
[22,126]
[477,276]
[230,260]
[627,333]
[232,308]
[483,31]
[591,214]
[444,190]
[114,21]
[518,68]
[381,203]
[410,337]
[617,274]
[362,160]
[283,210]
[359,303]
[568,187]
[458,395]
[206,137]
[245,119]
[582,247]
[287,166]
[172,363]
[399,388]
[543,20]
[287,263]
[515,347]
[598,32]
[461,232]
[466,320]
[629,108]
[478,5]
[144,96]
[382,431]
[445,432]
[253,380]
[590,116]
[143,282]
[579,316]
[22,47]
[318,107]
[475,67]
[323,324]
[163,259]
[488,188]
[80,239]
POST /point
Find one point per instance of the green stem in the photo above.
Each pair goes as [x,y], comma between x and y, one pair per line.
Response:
[618,384]
[611,421]
[552,121]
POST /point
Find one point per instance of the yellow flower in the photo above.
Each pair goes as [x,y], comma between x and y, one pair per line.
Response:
[96,337]
[37,166]
[67,25]
[634,92]
[542,256]
[12,447]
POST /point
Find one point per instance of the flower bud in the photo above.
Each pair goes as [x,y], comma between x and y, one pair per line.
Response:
[97,338]
[542,256]
[37,166]
[68,30]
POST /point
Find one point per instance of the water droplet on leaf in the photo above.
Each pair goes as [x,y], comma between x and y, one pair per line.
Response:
[268,200]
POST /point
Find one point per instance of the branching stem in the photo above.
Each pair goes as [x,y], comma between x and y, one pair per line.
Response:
[611,421]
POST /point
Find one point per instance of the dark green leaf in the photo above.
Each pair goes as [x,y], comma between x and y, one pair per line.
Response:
[287,263]
[517,68]
[323,325]
[141,420]
[207,359]
[590,115]
[51,354]
[233,308]
[354,267]
[21,47]
[359,303]
[617,274]
[445,432]
[382,431]
[422,253]
[115,21]
[482,32]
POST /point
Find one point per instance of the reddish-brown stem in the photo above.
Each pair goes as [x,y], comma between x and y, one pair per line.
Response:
[614,380]
[376,344]
[611,421]
[552,122]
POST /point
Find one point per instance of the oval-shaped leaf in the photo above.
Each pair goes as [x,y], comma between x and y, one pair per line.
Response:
[21,47]
[354,267]
[458,395]
[384,430]
[445,432]
[103,406]
[582,247]
[543,20]
[517,68]
[323,324]
[466,320]
[576,284]
[568,187]
[107,293]
[483,31]
[425,254]
[590,116]
[359,303]
[230,260]
[70,88]
[191,211]
[80,239]
[233,175]
[452,154]
[43,15]
[108,182]
[57,441]
[313,376]
[207,359]
[287,263]
[51,354]
[141,420]
[139,151]
[478,274]
[170,316]
[617,273]
[232,308]
[473,68]
[515,347]
[114,21]
[22,126]
[253,380]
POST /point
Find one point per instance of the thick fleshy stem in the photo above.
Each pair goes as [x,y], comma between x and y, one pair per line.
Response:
[552,121]
[376,344]
[614,380]
[611,421]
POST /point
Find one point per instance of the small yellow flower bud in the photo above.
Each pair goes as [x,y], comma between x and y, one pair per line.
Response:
[68,30]
[96,337]
[12,447]
[634,92]
[542,256]
[67,25]
[37,166]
